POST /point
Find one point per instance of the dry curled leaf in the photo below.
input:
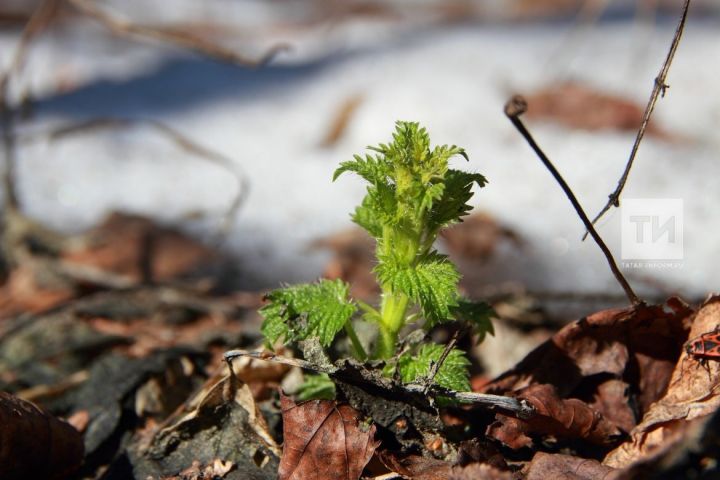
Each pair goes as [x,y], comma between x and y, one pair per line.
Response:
[546,466]
[564,418]
[34,444]
[637,347]
[324,441]
[692,394]
[221,422]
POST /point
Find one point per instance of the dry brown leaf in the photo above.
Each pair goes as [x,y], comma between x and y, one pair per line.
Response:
[584,107]
[341,119]
[415,467]
[477,236]
[34,444]
[638,345]
[353,261]
[222,423]
[479,471]
[136,249]
[324,441]
[545,466]
[215,470]
[691,394]
[563,418]
[25,291]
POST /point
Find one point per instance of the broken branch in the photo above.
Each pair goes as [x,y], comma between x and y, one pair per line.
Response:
[519,408]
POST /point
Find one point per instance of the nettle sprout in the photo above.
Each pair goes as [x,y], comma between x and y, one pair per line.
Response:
[412,195]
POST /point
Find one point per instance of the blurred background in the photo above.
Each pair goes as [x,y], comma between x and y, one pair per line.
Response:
[226,118]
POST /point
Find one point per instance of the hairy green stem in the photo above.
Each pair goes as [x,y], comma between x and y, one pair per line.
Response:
[392,319]
[359,350]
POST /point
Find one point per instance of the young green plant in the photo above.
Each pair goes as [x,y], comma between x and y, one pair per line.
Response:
[412,195]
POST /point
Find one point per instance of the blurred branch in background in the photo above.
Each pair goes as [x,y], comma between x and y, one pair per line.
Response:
[16,226]
[171,35]
[179,139]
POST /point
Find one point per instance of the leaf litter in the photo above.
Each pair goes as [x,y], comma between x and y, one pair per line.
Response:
[135,370]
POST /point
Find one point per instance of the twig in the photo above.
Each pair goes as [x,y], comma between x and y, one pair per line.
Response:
[515,107]
[180,139]
[520,408]
[38,22]
[435,368]
[659,89]
[124,27]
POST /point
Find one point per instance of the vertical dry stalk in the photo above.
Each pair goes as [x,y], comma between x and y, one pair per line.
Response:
[515,107]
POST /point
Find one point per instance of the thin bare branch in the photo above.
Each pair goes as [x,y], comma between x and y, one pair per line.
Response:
[520,408]
[514,108]
[178,138]
[123,27]
[41,18]
[659,89]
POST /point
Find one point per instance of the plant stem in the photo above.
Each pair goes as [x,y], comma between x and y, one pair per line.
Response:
[359,350]
[392,319]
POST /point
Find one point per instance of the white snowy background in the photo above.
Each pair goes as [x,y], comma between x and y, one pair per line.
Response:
[452,77]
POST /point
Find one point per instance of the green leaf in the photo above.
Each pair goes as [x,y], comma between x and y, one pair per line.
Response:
[366,216]
[477,315]
[453,204]
[372,169]
[453,373]
[432,284]
[316,387]
[311,310]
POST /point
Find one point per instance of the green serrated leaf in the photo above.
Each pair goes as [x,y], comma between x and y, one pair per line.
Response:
[477,315]
[453,204]
[316,387]
[453,373]
[372,169]
[310,310]
[431,283]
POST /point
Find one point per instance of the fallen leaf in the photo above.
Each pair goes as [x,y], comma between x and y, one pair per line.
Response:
[28,290]
[546,466]
[477,237]
[135,249]
[416,467]
[564,418]
[221,422]
[637,345]
[353,261]
[34,444]
[324,440]
[581,106]
[692,394]
[341,119]
[215,470]
[479,471]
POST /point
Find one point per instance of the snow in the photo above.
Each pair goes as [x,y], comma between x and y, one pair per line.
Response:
[454,80]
